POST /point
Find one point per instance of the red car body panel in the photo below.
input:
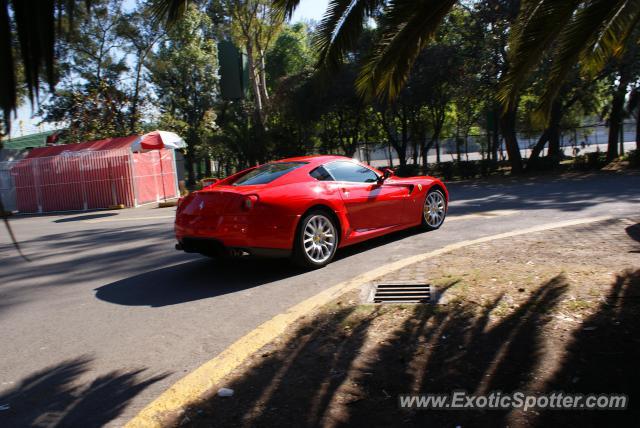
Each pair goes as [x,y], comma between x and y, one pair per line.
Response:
[363,210]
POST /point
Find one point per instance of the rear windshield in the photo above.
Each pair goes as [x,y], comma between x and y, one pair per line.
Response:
[266,173]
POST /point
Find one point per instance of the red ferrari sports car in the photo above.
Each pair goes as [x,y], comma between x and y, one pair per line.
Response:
[305,207]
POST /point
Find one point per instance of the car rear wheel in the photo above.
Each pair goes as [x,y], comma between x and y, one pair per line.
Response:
[316,241]
[434,210]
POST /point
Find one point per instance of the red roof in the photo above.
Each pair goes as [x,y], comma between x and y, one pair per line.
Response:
[106,144]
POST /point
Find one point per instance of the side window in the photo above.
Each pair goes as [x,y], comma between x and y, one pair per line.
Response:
[321,174]
[349,171]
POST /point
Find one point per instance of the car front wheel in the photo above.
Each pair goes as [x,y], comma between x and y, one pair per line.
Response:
[316,241]
[434,210]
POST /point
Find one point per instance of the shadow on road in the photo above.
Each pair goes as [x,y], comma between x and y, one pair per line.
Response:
[194,280]
[204,278]
[84,217]
[55,397]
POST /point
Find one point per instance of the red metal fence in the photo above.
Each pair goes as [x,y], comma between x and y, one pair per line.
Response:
[84,180]
[154,175]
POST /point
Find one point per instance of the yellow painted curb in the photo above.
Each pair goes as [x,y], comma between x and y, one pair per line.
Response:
[191,387]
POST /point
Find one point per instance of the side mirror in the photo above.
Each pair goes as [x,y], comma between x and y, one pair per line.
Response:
[386,173]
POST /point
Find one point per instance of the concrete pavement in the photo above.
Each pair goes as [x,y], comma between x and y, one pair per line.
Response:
[108,315]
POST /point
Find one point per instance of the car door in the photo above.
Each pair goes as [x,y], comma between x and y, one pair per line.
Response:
[369,204]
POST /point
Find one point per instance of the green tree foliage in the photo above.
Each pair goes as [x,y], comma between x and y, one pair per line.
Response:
[290,53]
[184,71]
[90,98]
[426,71]
[140,34]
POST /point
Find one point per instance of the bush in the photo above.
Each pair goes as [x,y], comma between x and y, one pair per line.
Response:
[467,169]
[634,159]
[408,170]
[544,163]
[487,166]
[446,170]
[590,161]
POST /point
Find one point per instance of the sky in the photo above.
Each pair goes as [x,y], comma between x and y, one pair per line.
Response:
[25,124]
[310,10]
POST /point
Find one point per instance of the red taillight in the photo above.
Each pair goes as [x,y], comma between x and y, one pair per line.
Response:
[249,202]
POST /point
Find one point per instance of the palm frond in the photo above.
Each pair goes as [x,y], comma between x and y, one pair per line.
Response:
[168,10]
[581,35]
[33,24]
[7,72]
[340,29]
[538,24]
[407,27]
[285,8]
[611,39]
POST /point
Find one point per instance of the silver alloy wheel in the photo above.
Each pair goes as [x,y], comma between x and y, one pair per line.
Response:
[319,238]
[434,209]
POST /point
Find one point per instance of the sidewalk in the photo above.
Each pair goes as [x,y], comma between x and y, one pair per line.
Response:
[552,311]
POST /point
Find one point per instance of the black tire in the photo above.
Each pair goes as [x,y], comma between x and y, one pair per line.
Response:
[428,221]
[300,255]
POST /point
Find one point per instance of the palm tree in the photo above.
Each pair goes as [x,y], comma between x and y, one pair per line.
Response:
[30,29]
[590,31]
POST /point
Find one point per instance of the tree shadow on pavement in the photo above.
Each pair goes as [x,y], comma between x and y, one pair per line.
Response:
[603,358]
[634,233]
[336,372]
[565,193]
[55,397]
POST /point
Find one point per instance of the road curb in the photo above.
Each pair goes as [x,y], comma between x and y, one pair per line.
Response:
[193,386]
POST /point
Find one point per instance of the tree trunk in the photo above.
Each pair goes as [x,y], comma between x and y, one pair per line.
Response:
[402,150]
[207,166]
[255,86]
[495,141]
[614,127]
[508,127]
[191,176]
[638,133]
[554,132]
[263,80]
[622,137]
[617,116]
[537,149]
[136,95]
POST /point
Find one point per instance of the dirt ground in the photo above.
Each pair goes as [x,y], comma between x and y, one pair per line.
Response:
[553,311]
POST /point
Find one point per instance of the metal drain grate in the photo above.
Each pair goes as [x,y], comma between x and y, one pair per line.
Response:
[402,292]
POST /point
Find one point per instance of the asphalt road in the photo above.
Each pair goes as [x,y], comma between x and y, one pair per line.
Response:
[107,314]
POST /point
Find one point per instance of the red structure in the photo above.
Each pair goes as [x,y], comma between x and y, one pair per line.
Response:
[95,174]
